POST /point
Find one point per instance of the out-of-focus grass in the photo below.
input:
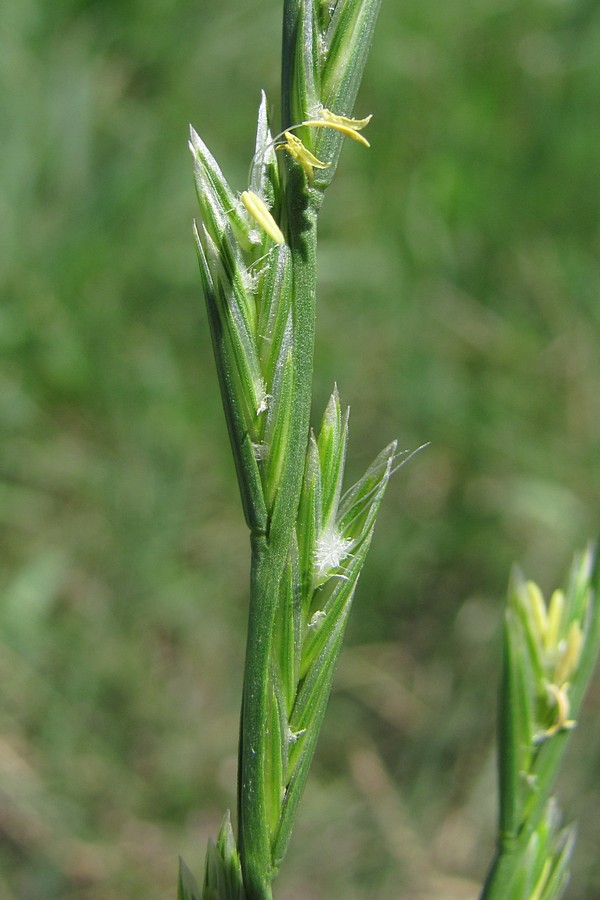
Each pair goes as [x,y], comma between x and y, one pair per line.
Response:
[462,252]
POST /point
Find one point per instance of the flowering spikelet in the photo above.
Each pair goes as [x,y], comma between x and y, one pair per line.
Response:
[330,552]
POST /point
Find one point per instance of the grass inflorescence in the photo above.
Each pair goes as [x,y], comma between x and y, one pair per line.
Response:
[309,537]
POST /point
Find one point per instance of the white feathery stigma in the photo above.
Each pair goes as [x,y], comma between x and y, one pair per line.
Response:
[331,549]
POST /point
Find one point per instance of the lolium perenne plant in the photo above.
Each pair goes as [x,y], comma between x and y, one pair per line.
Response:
[309,539]
[549,655]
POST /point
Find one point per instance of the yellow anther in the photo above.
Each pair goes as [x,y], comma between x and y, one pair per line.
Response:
[558,696]
[349,127]
[259,211]
[355,124]
[301,154]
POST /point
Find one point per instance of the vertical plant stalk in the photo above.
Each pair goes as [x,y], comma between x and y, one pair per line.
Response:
[302,68]
[257,256]
[550,651]
[269,555]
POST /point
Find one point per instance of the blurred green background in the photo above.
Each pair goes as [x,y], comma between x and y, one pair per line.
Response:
[459,286]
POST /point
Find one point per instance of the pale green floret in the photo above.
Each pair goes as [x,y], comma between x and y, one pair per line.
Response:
[559,652]
[539,614]
[556,611]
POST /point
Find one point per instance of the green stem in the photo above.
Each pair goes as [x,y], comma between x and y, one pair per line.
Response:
[500,875]
[270,551]
[254,845]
